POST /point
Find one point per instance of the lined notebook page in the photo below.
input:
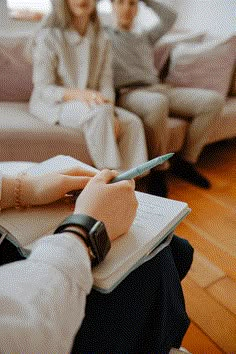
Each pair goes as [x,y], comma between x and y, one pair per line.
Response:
[155,218]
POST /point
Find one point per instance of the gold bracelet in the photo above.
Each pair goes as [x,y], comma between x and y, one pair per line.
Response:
[17,192]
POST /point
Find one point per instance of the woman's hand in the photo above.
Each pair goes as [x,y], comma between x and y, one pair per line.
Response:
[114,204]
[38,190]
[88,97]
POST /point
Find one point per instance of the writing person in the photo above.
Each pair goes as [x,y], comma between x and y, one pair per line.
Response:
[47,304]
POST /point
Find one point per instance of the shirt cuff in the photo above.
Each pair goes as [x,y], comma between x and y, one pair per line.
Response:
[67,254]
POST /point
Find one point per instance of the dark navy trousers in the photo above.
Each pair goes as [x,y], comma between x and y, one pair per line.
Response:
[145,313]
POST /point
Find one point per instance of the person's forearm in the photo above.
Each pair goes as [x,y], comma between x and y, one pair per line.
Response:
[43,297]
[9,186]
[167,15]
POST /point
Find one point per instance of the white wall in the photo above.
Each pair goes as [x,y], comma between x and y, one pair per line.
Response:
[145,18]
[12,27]
[216,17]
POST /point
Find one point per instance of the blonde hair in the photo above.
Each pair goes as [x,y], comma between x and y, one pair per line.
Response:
[60,17]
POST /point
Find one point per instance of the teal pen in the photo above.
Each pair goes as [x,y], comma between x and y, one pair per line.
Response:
[139,170]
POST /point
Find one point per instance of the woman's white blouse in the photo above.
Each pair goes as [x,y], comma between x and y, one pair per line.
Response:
[43,298]
[63,59]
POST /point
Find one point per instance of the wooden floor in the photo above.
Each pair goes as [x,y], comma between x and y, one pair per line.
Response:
[210,286]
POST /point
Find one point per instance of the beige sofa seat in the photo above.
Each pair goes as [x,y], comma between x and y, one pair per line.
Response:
[227,122]
[25,138]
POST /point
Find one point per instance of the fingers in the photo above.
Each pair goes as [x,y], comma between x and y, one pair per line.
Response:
[105,175]
[78,171]
[99,99]
[106,100]
[127,184]
[75,183]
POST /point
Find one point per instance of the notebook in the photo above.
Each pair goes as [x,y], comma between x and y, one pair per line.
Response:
[150,232]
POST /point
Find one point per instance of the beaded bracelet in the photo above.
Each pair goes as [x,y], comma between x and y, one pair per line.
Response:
[17,193]
[18,190]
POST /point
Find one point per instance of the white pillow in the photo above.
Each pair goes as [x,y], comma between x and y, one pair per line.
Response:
[208,65]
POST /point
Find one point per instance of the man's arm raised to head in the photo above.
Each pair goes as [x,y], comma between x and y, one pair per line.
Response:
[167,18]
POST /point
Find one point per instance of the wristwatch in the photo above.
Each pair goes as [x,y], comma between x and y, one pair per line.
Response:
[96,238]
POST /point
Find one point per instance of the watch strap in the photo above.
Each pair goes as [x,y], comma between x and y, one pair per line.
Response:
[97,238]
[84,221]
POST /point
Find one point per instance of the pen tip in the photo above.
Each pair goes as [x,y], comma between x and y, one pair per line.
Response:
[167,156]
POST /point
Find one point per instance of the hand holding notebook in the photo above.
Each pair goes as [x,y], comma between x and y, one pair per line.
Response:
[156,219]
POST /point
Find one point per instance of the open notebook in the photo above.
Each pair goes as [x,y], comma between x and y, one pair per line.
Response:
[151,231]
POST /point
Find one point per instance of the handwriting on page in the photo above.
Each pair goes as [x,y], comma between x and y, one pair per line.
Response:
[149,216]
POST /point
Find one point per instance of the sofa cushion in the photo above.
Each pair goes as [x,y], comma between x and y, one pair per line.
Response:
[164,46]
[227,122]
[15,70]
[208,65]
[25,138]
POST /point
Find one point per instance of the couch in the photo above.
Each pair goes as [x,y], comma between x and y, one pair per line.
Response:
[25,138]
[201,61]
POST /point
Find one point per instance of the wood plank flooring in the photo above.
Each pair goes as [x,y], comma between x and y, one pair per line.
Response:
[210,286]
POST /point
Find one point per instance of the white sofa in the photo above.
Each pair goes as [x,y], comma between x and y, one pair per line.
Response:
[24,138]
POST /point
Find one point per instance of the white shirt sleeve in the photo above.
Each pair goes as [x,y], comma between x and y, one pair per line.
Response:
[0,191]
[43,298]
[45,64]
[106,84]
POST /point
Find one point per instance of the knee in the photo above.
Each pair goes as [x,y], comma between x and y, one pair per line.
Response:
[215,101]
[134,120]
[158,105]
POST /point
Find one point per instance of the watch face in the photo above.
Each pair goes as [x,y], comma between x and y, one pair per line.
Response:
[100,242]
[97,237]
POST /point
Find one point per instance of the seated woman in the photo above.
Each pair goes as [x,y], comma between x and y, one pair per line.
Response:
[43,297]
[73,85]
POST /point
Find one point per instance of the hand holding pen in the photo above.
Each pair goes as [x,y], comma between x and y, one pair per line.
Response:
[139,170]
[134,172]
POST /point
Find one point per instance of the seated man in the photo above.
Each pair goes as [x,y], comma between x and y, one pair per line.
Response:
[43,298]
[140,92]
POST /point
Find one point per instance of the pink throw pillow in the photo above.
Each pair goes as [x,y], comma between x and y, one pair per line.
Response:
[15,70]
[164,46]
[209,65]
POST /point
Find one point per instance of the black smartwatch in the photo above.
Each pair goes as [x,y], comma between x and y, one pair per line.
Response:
[97,239]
